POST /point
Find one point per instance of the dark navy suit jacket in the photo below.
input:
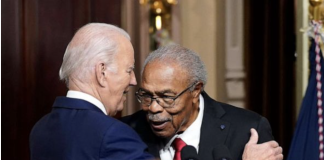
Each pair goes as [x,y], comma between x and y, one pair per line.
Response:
[77,130]
[222,124]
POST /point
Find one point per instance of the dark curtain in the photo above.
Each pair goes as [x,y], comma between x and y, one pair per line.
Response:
[270,64]
[34,35]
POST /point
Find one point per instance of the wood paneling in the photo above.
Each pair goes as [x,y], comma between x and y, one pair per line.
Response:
[12,75]
[34,36]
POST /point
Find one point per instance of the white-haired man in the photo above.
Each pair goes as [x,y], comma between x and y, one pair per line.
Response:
[98,70]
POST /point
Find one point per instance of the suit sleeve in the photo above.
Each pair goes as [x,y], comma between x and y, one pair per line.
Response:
[264,130]
[122,143]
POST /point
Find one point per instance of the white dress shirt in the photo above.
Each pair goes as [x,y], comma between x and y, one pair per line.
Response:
[191,136]
[86,97]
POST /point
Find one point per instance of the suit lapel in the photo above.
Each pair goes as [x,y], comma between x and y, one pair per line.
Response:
[152,141]
[214,130]
[154,149]
[139,123]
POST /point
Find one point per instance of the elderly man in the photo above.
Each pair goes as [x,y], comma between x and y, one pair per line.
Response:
[177,112]
[98,70]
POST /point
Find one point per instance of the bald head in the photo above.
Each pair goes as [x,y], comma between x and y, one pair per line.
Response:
[92,42]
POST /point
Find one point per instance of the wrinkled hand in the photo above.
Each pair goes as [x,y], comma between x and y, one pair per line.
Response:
[264,151]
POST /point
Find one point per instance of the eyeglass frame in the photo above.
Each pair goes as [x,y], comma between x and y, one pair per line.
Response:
[156,98]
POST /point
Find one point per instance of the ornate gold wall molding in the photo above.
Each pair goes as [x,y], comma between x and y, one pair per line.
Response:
[316,10]
[160,21]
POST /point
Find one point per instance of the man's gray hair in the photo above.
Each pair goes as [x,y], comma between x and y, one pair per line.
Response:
[92,43]
[186,58]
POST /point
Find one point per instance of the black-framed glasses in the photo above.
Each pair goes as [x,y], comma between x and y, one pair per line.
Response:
[165,102]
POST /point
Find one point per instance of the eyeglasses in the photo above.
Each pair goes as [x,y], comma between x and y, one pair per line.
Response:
[165,102]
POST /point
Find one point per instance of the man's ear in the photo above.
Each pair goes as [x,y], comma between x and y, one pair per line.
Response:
[196,92]
[101,74]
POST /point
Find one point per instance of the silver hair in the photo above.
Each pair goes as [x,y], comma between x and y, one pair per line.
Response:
[91,43]
[186,58]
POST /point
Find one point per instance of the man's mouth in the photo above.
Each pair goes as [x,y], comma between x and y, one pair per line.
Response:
[158,125]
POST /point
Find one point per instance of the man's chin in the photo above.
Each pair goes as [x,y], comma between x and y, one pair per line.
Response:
[162,134]
[121,105]
[119,110]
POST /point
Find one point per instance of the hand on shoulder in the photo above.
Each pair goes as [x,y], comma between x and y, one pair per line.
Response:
[265,151]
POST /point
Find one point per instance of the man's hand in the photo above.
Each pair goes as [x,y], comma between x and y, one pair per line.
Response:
[265,151]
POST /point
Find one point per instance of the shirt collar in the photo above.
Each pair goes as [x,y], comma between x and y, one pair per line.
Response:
[192,134]
[86,97]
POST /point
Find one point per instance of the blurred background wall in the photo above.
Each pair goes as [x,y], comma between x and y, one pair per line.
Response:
[248,46]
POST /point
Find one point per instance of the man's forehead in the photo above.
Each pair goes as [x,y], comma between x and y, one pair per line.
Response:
[158,91]
[163,69]
[163,85]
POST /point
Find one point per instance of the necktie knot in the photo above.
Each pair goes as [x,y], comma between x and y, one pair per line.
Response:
[178,144]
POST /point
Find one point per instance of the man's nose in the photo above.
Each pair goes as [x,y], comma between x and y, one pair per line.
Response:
[155,107]
[133,81]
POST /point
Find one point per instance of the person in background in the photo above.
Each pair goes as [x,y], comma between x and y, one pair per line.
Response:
[176,111]
[98,70]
